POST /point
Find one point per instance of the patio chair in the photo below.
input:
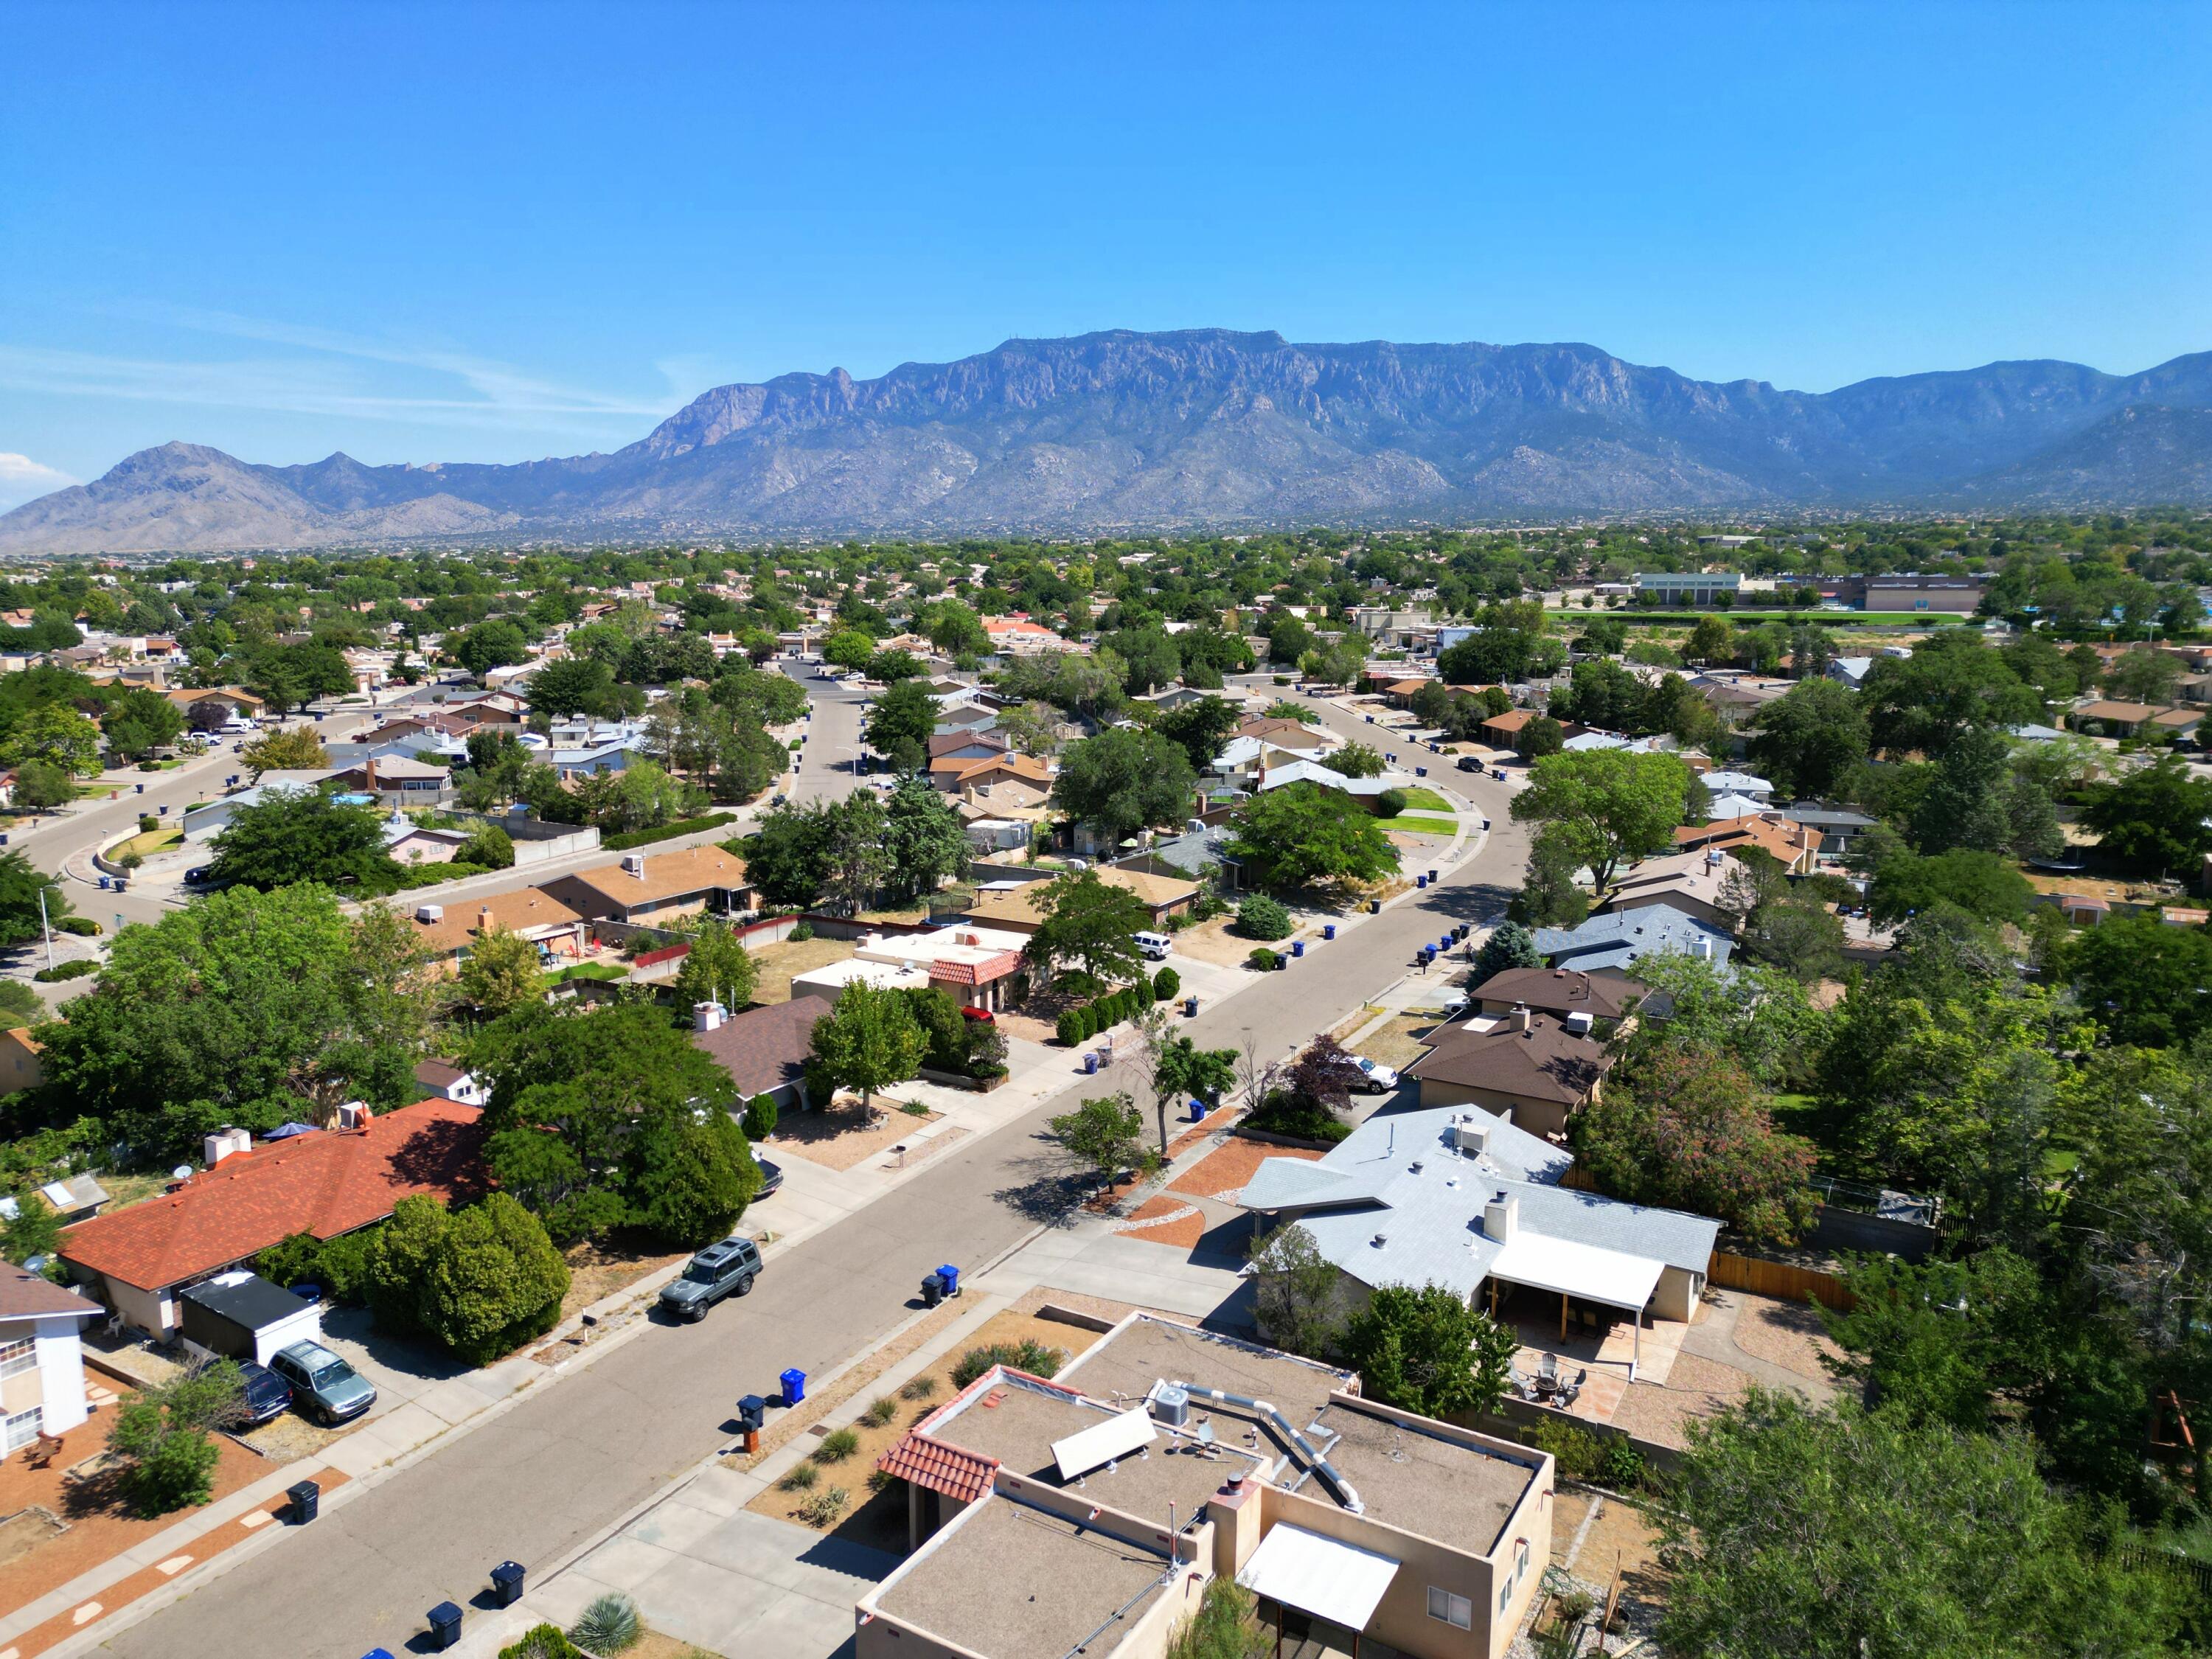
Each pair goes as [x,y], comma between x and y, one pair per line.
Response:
[1523,1388]
[1548,1368]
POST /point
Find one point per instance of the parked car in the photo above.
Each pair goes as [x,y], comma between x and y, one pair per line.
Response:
[1470,762]
[725,1269]
[267,1394]
[771,1178]
[1380,1079]
[323,1385]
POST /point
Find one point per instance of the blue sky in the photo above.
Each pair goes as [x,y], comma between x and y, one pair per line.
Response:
[480,232]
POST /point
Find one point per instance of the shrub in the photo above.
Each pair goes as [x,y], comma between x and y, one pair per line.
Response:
[609,1626]
[1574,1605]
[680,827]
[921,1388]
[62,970]
[1261,917]
[1282,1114]
[480,1281]
[542,1642]
[1577,1451]
[147,823]
[1068,1028]
[1390,803]
[802,1476]
[760,1117]
[880,1479]
[1165,984]
[1621,1464]
[800,931]
[1262,958]
[881,1410]
[84,927]
[1026,1355]
[825,1507]
[129,860]
[836,1446]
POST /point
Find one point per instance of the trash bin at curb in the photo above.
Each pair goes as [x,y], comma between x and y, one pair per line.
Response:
[1190,1007]
[933,1289]
[306,1500]
[1420,881]
[1297,947]
[1375,907]
[752,1413]
[1090,1064]
[795,1386]
[445,1624]
[1328,930]
[506,1583]
[1198,1111]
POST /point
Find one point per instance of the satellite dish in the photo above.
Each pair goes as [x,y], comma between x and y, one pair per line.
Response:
[182,1172]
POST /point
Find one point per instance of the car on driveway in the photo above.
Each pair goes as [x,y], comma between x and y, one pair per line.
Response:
[771,1178]
[322,1386]
[1380,1079]
[725,1269]
[266,1393]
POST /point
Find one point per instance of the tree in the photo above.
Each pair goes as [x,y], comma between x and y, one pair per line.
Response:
[2145,982]
[1357,760]
[1509,945]
[696,1176]
[1089,923]
[303,835]
[856,851]
[1809,740]
[1983,884]
[849,648]
[1304,835]
[571,686]
[22,884]
[1688,1131]
[1426,1351]
[925,843]
[1294,1290]
[1199,729]
[1950,682]
[488,847]
[953,627]
[1550,896]
[1509,644]
[893,667]
[1601,694]
[2154,820]
[868,1041]
[1804,941]
[1937,1342]
[243,1008]
[478,1281]
[1712,641]
[788,858]
[1540,737]
[1613,805]
[1106,1133]
[2143,675]
[139,721]
[297,749]
[161,1436]
[1846,1534]
[718,969]
[42,785]
[36,1230]
[1323,1076]
[54,735]
[1121,781]
[1175,1066]
[1263,918]
[497,643]
[500,974]
[900,724]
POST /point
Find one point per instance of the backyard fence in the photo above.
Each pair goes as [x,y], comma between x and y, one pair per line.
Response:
[1781,1278]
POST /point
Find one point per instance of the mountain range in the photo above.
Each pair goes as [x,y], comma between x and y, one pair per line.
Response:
[1210,428]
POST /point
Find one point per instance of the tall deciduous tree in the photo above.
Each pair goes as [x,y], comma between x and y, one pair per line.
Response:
[2155,820]
[924,840]
[1427,1350]
[869,1041]
[500,974]
[717,969]
[1809,740]
[21,885]
[1088,929]
[297,749]
[1304,835]
[303,835]
[1614,806]
[900,724]
[1175,1066]
[1121,781]
[1106,1133]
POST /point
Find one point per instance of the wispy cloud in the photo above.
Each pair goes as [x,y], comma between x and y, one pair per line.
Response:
[23,479]
[329,372]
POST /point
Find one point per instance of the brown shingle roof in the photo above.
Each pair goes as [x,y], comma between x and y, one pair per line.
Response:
[24,1295]
[1541,1063]
[522,911]
[764,1048]
[667,876]
[1560,991]
[326,1184]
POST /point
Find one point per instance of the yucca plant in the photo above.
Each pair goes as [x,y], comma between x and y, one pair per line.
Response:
[836,1446]
[609,1626]
[802,1476]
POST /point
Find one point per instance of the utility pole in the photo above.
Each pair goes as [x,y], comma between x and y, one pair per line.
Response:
[46,929]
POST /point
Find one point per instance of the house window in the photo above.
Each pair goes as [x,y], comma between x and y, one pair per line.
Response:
[1454,1610]
[17,1357]
[23,1428]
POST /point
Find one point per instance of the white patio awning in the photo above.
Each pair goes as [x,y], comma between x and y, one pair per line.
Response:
[1588,1271]
[1341,1583]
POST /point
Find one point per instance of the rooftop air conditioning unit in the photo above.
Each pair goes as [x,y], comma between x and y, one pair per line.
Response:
[1471,1136]
[353,1115]
[634,864]
[429,913]
[1578,1025]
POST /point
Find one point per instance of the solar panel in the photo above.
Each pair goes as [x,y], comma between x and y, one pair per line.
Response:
[1101,1443]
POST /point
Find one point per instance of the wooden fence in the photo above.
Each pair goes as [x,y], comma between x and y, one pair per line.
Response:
[1779,1279]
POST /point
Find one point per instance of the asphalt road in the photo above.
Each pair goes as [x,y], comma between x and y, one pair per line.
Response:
[828,767]
[541,1479]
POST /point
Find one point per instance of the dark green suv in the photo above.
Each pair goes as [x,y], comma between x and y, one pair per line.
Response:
[725,1269]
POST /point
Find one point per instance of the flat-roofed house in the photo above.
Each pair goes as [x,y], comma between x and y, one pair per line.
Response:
[1015,907]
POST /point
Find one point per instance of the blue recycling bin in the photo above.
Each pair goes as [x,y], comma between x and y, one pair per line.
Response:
[795,1386]
[1420,881]
[948,1276]
[377,1653]
[1393,759]
[105,884]
[1328,930]
[1297,947]
[1198,1111]
[1090,1064]
[140,787]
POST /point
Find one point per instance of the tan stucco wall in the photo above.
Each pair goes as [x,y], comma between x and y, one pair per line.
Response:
[1676,1295]
[1538,1117]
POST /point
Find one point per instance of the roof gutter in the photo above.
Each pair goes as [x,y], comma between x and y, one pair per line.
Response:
[1346,1494]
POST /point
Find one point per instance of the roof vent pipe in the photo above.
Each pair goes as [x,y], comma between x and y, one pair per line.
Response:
[1336,1483]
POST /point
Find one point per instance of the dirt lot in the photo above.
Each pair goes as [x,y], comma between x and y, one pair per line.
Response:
[1396,1044]
[1217,941]
[595,1270]
[653,1646]
[842,1136]
[777,965]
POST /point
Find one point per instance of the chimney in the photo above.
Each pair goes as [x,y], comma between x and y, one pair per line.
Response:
[483,918]
[706,1016]
[1501,1219]
[369,775]
[1520,1016]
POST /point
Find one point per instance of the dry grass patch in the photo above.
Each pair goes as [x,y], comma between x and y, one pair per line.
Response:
[1397,1043]
[777,965]
[842,1136]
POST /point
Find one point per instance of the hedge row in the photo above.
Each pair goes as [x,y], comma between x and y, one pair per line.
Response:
[1081,1024]
[682,827]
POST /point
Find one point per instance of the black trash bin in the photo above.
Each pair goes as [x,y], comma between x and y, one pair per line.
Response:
[307,1497]
[506,1583]
[752,1413]
[445,1625]
[932,1291]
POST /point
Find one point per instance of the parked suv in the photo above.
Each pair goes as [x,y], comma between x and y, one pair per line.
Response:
[266,1393]
[323,1385]
[725,1269]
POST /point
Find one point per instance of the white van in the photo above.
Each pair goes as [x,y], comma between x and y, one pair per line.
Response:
[239,725]
[1154,947]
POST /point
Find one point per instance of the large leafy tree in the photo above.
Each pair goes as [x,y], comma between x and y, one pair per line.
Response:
[574,685]
[1510,643]
[478,1281]
[1175,1067]
[2143,981]
[501,975]
[1807,741]
[923,838]
[900,724]
[1951,683]
[869,1041]
[1088,929]
[2156,820]
[1844,1534]
[1509,945]
[54,735]
[1304,835]
[1199,729]
[247,1008]
[139,721]
[498,643]
[1983,884]
[1614,806]
[22,884]
[298,750]
[1121,781]
[1427,1350]
[1107,1134]
[303,835]
[717,969]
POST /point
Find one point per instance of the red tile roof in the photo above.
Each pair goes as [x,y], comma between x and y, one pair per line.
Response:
[325,1184]
[964,1475]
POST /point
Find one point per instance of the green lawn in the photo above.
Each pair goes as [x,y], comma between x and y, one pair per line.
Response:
[1422,798]
[1415,824]
[602,971]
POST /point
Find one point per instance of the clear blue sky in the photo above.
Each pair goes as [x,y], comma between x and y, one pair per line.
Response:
[472,231]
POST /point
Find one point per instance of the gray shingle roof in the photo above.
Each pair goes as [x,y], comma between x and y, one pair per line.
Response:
[1619,939]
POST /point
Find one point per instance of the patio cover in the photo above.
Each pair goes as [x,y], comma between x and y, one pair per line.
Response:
[1341,1583]
[1594,1274]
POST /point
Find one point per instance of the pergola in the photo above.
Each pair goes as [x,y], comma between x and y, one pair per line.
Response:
[1613,1279]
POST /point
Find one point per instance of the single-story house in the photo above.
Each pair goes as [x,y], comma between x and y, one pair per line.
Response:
[450,1082]
[41,1358]
[409,843]
[1503,731]
[397,782]
[966,745]
[209,708]
[957,777]
[1013,906]
[975,964]
[1537,1070]
[139,1261]
[655,888]
[1611,944]
[1690,882]
[1564,992]
[1838,827]
[1739,783]
[828,982]
[447,931]
[1278,733]
[764,1050]
[1795,846]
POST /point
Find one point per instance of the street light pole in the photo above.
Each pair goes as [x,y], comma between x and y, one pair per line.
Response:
[46,929]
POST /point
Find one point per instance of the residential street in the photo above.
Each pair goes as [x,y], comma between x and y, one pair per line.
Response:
[540,1479]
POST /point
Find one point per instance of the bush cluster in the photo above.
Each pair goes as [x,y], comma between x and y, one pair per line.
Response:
[66,970]
[1261,917]
[1026,1355]
[680,827]
[1263,957]
[340,1265]
[1283,1113]
[1080,1025]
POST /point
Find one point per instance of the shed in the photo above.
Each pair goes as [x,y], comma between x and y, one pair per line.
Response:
[242,1315]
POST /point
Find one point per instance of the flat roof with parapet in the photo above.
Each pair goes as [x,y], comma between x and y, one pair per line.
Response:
[1017,1420]
[1009,1582]
[1439,1489]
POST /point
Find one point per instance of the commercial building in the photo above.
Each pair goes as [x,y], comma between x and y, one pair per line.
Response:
[1666,588]
[1957,595]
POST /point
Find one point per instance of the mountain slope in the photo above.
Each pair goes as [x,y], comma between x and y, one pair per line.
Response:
[1123,430]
